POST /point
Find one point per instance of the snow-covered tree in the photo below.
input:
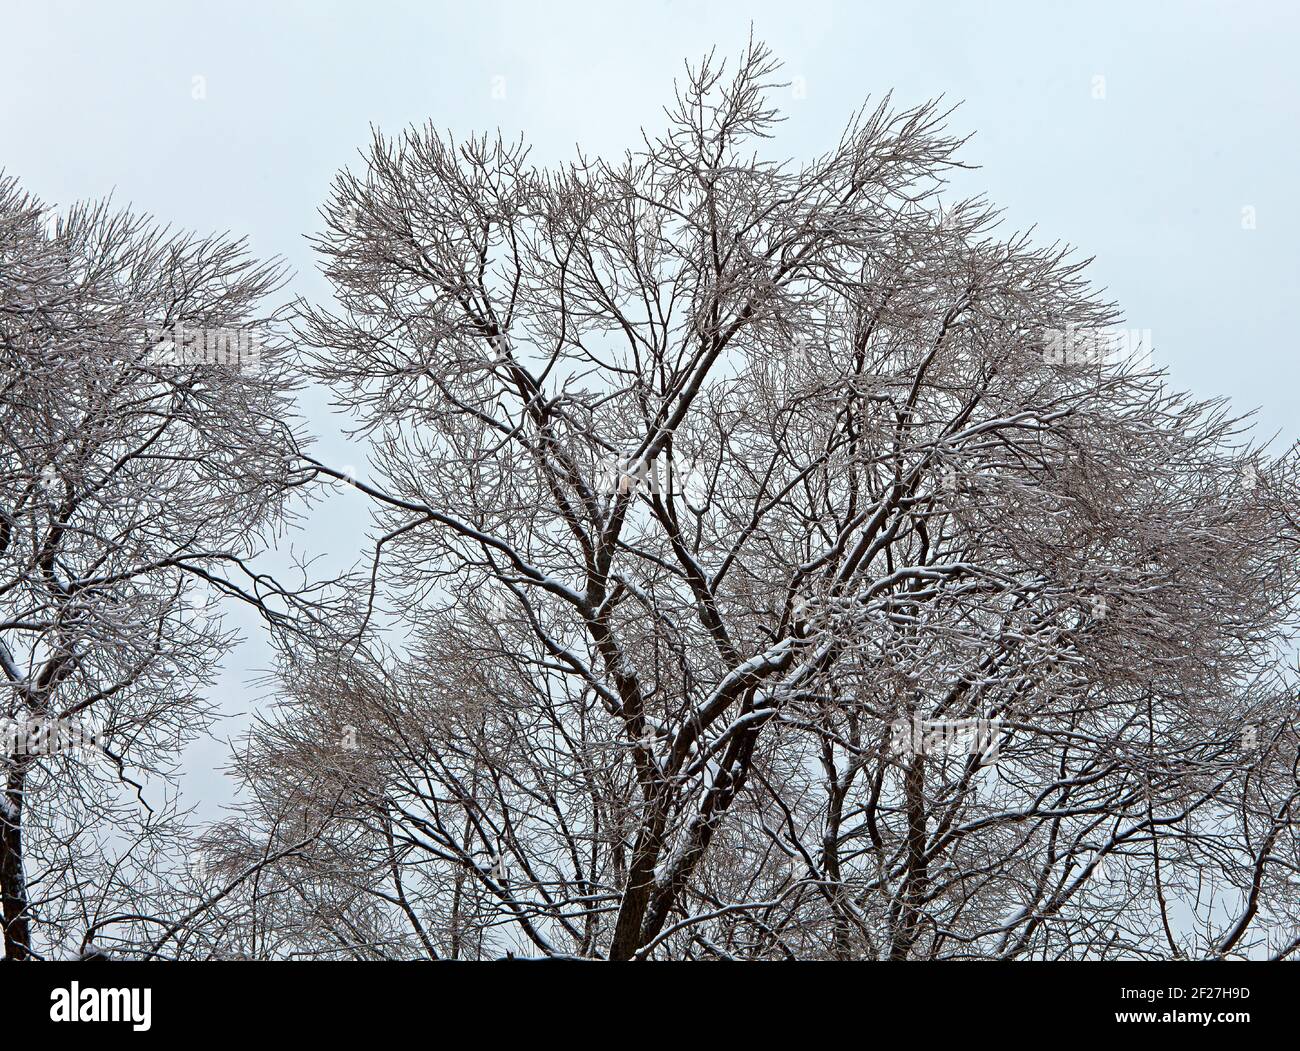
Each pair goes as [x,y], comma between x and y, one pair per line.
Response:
[144,454]
[714,492]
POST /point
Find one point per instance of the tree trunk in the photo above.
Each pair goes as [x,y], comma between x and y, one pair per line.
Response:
[916,880]
[13,883]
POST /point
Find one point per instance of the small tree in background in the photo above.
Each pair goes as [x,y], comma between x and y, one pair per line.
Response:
[136,479]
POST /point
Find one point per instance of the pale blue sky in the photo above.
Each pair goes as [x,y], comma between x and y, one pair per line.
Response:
[1198,122]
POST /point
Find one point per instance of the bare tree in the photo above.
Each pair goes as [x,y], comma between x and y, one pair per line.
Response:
[140,467]
[709,490]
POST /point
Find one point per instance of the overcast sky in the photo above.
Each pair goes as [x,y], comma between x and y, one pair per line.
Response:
[1152,136]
